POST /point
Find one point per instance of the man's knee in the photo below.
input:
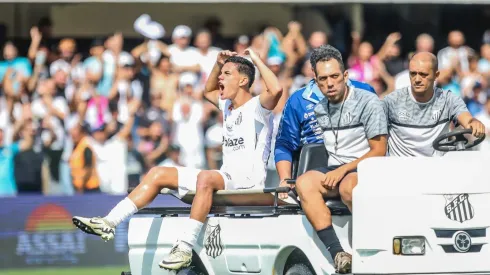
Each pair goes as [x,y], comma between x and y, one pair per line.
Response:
[158,174]
[347,186]
[305,185]
[204,181]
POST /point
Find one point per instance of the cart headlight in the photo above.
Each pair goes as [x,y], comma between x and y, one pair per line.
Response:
[409,246]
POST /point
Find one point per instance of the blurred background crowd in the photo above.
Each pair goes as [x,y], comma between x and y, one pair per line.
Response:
[96,118]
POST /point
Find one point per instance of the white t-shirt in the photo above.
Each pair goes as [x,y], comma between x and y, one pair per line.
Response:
[127,89]
[40,111]
[111,165]
[247,135]
[402,80]
[188,135]
[187,57]
[207,61]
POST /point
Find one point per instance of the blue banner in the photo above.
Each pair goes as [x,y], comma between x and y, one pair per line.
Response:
[38,231]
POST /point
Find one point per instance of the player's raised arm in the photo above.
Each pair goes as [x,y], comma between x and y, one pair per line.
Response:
[211,89]
[273,92]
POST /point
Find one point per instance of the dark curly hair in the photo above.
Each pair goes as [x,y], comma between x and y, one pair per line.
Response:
[326,53]
[244,66]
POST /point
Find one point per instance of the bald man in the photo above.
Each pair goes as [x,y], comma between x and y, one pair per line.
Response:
[418,114]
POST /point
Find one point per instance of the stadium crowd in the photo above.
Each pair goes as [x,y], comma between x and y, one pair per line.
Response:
[98,121]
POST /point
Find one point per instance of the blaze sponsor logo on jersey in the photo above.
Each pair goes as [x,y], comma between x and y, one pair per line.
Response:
[310,106]
[235,143]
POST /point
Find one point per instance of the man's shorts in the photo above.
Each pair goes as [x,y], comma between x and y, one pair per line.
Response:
[327,169]
[188,180]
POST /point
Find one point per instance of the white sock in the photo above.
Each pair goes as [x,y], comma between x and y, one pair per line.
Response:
[191,233]
[123,209]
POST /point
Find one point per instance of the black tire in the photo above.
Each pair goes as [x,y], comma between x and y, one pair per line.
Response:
[299,269]
[192,270]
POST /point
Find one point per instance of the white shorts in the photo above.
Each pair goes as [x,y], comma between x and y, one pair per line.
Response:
[188,180]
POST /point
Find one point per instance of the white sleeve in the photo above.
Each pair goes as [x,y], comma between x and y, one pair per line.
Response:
[197,112]
[137,89]
[261,114]
[176,112]
[60,104]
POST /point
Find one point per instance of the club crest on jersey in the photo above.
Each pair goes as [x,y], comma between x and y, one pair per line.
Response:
[347,118]
[239,119]
[458,208]
[436,115]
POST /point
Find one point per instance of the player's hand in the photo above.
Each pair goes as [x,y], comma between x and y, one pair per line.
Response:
[283,183]
[252,54]
[224,55]
[333,178]
[477,127]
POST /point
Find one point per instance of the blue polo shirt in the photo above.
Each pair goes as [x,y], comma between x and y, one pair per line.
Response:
[7,178]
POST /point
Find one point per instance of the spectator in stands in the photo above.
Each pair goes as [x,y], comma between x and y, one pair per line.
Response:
[241,44]
[20,67]
[111,154]
[83,161]
[424,43]
[164,83]
[453,61]
[207,54]
[126,87]
[184,58]
[188,117]
[484,62]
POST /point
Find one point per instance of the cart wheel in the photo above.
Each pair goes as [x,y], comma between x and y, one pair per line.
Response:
[299,269]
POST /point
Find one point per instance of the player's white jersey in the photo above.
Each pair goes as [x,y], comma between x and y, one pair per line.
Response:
[247,135]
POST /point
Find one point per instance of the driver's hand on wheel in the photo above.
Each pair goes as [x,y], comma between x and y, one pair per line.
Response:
[284,183]
[477,127]
[333,178]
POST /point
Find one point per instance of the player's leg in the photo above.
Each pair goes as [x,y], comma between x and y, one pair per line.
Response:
[181,254]
[346,187]
[312,194]
[156,179]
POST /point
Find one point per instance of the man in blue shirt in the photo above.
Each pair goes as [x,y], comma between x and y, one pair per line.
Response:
[7,156]
[299,126]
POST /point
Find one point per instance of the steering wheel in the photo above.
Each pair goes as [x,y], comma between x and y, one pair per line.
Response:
[456,141]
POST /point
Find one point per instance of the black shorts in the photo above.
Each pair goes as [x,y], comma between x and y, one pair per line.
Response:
[326,169]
